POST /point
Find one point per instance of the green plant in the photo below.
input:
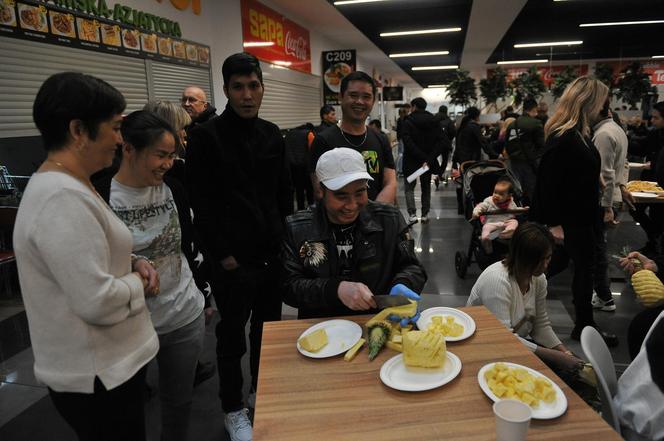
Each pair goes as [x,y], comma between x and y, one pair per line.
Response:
[604,73]
[494,87]
[461,88]
[561,81]
[527,85]
[633,84]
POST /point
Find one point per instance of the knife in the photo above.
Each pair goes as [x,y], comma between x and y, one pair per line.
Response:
[387,301]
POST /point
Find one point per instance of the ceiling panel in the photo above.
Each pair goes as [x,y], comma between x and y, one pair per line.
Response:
[406,15]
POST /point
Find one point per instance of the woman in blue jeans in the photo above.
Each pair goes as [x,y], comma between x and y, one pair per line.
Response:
[155,209]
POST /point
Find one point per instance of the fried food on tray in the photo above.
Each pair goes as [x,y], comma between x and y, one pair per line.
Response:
[633,186]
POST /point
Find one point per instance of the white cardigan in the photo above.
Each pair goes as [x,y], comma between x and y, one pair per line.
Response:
[501,294]
[86,310]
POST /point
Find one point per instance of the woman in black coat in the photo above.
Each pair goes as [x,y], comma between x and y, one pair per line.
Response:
[567,190]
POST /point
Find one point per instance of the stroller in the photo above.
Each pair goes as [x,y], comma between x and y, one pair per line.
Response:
[478,180]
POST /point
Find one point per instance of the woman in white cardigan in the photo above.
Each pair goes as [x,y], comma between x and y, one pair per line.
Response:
[84,292]
[514,290]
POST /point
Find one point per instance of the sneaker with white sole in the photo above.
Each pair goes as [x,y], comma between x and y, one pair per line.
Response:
[238,425]
[412,218]
[603,305]
[424,219]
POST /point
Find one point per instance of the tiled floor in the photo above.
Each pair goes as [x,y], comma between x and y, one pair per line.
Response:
[26,413]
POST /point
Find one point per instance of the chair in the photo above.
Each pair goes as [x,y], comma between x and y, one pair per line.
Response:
[599,356]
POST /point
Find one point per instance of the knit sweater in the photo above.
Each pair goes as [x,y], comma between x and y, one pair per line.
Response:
[611,142]
[500,293]
[86,310]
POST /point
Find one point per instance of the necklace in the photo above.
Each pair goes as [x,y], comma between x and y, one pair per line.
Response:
[366,131]
[74,175]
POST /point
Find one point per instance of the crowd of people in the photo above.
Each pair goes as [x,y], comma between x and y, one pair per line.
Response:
[134,223]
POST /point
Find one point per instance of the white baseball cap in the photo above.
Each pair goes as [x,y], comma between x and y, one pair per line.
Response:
[341,166]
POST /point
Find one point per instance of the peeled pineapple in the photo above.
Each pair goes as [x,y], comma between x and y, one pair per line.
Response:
[648,288]
[424,349]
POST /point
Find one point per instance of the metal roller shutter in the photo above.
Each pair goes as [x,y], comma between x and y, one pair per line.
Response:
[169,80]
[26,64]
[291,98]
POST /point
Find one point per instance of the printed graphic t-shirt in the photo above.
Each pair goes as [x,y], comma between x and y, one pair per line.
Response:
[344,238]
[376,152]
[151,216]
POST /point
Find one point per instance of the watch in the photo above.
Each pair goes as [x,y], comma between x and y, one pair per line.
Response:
[136,257]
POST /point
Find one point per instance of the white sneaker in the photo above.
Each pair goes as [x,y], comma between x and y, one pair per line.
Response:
[412,218]
[602,305]
[424,219]
[251,400]
[238,425]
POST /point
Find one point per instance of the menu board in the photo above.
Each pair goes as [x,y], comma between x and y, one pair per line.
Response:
[31,20]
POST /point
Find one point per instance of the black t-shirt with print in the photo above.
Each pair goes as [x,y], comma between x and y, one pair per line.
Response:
[344,239]
[375,149]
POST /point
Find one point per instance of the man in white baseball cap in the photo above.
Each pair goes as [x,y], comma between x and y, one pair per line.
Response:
[342,252]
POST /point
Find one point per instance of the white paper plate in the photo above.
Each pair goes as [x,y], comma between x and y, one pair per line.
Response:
[643,194]
[341,336]
[459,316]
[544,411]
[395,374]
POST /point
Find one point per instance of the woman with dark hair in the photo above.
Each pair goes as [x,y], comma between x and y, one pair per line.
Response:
[515,290]
[84,291]
[567,191]
[154,207]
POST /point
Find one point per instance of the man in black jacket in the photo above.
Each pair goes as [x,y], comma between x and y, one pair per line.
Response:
[240,192]
[195,103]
[338,255]
[423,142]
[328,118]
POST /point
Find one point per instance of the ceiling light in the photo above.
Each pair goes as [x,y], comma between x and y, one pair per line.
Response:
[424,31]
[258,43]
[553,43]
[657,56]
[451,66]
[523,61]
[282,63]
[419,54]
[350,2]
[436,86]
[621,23]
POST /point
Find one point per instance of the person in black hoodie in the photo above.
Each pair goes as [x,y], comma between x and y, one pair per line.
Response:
[195,102]
[566,194]
[449,131]
[240,192]
[423,141]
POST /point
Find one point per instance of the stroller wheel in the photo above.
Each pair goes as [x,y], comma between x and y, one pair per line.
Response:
[461,264]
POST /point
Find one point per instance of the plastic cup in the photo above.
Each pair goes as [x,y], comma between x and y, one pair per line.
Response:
[512,420]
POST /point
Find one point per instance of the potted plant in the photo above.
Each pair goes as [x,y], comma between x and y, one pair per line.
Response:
[494,87]
[561,81]
[461,89]
[604,73]
[633,84]
[527,85]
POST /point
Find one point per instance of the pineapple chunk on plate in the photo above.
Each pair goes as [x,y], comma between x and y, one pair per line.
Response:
[341,335]
[460,318]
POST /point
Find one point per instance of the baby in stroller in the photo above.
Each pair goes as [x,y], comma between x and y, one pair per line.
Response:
[498,225]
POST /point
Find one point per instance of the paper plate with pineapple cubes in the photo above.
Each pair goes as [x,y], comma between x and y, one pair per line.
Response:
[341,336]
[450,319]
[395,374]
[545,398]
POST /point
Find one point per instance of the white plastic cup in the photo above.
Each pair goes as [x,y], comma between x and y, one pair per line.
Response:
[512,420]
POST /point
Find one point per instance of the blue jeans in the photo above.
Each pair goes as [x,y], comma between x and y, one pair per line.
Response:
[177,357]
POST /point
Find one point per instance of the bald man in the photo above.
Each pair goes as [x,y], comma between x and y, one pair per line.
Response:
[194,101]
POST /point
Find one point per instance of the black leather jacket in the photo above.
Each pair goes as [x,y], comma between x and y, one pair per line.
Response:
[383,252]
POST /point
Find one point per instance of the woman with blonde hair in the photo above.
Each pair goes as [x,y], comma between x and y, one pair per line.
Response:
[567,190]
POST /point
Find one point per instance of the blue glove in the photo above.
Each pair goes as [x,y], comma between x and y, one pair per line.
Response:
[401,289]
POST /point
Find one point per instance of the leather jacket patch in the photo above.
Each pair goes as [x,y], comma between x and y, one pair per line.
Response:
[313,253]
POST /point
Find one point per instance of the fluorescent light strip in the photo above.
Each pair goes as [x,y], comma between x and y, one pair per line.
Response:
[657,56]
[621,23]
[452,66]
[282,63]
[258,43]
[423,31]
[351,2]
[436,86]
[419,54]
[523,61]
[553,43]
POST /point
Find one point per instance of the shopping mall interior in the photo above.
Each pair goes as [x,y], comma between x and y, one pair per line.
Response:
[494,57]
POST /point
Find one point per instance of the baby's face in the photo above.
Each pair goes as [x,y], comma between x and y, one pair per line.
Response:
[501,193]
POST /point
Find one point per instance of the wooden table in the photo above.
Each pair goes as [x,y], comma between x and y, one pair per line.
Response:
[300,398]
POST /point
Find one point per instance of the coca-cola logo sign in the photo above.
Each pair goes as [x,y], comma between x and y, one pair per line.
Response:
[297,47]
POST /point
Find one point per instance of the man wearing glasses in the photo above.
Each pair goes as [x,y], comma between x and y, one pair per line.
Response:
[195,103]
